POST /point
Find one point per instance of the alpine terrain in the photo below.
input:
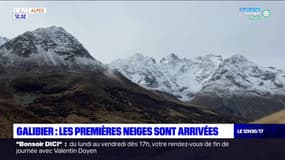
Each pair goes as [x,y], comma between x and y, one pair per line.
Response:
[233,86]
[47,76]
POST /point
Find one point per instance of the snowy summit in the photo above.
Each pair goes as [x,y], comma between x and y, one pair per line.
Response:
[51,46]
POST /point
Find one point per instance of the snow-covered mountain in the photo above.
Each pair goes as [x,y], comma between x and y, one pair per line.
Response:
[144,71]
[51,46]
[232,85]
[211,73]
[3,40]
[242,88]
[237,75]
[178,76]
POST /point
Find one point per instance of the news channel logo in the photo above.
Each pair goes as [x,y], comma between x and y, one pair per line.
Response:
[255,13]
[23,13]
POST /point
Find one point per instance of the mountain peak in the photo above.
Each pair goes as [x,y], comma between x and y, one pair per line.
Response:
[49,29]
[238,57]
[173,55]
[51,39]
[52,33]
[239,62]
[52,28]
[139,57]
[51,46]
[170,58]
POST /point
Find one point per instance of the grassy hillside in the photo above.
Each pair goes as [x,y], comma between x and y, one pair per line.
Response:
[278,117]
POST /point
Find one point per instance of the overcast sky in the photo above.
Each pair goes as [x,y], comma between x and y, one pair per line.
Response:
[111,30]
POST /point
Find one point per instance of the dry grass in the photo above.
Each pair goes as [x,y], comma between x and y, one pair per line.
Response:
[278,117]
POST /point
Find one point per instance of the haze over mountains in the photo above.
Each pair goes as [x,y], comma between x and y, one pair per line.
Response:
[47,75]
